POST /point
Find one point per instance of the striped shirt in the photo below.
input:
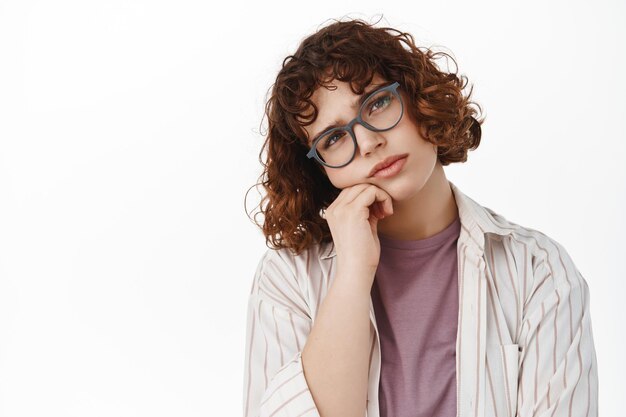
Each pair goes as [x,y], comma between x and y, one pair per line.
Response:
[524,343]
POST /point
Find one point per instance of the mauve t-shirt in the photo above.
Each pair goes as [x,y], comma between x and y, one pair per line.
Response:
[415,297]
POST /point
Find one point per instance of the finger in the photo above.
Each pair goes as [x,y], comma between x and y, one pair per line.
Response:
[373,195]
[360,188]
[389,206]
[349,193]
[378,213]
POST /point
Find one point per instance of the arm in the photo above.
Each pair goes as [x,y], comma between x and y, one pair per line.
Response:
[336,356]
[277,328]
[558,371]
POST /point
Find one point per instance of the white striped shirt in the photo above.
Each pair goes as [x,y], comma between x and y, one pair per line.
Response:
[524,341]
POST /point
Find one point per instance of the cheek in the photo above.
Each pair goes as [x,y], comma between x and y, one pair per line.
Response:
[341,179]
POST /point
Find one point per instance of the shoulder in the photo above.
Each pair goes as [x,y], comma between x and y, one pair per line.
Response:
[284,262]
[544,256]
[286,279]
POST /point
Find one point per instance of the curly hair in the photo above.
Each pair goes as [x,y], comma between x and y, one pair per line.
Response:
[298,190]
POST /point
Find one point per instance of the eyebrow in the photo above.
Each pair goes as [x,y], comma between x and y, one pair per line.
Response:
[357,103]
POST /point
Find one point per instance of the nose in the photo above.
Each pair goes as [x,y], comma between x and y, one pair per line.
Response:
[367,140]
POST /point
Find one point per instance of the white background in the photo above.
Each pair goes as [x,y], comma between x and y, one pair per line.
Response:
[130,132]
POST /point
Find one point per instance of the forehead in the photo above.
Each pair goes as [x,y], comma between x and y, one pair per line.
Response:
[335,88]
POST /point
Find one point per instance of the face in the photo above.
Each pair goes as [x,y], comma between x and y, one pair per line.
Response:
[373,147]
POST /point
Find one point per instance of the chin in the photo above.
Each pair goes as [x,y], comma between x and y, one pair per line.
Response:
[400,190]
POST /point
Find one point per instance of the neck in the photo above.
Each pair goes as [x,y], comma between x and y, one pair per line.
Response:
[428,212]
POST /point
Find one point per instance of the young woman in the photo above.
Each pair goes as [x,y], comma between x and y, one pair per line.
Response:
[387,291]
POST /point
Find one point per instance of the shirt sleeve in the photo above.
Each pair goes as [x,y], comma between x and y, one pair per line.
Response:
[558,367]
[277,328]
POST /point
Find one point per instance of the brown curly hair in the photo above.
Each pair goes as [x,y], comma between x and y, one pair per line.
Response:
[298,190]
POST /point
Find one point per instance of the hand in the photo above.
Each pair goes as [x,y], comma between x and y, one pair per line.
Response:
[353,222]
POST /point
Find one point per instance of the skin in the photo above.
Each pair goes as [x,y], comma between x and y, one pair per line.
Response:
[423,202]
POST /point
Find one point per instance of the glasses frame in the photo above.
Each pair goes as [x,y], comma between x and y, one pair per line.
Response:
[394,89]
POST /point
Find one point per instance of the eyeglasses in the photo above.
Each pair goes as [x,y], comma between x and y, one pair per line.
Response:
[380,111]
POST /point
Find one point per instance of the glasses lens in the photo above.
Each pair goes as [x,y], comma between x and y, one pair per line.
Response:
[336,147]
[381,111]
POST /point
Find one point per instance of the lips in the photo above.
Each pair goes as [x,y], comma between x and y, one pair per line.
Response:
[385,163]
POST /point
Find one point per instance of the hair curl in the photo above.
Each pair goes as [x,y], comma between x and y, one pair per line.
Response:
[298,190]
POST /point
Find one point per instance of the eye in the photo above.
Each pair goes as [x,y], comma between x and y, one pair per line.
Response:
[383,101]
[329,142]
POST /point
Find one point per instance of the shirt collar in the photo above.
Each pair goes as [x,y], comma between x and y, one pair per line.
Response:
[475,218]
